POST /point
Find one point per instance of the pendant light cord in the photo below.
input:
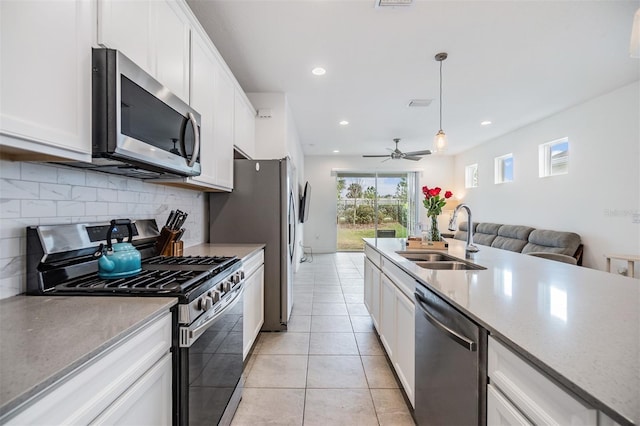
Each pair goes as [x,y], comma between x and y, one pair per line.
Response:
[441,95]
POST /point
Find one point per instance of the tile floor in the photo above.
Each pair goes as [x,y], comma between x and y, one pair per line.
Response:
[329,367]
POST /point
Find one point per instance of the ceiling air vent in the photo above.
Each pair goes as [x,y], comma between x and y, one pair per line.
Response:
[387,3]
[420,102]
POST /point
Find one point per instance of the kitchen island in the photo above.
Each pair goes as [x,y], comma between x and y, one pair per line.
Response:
[579,326]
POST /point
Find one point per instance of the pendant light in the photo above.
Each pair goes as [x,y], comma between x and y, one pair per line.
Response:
[440,141]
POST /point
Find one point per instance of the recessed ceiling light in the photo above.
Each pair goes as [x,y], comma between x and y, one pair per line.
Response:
[335,151]
[485,123]
[344,123]
[318,71]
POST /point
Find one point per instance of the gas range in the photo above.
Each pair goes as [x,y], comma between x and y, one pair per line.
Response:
[207,336]
[61,261]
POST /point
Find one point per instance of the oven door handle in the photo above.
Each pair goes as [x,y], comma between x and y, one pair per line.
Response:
[188,336]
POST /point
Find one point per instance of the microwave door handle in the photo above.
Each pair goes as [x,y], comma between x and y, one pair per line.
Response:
[196,141]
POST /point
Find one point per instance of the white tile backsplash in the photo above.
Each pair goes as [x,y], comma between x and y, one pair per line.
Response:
[13,189]
[37,208]
[47,194]
[54,191]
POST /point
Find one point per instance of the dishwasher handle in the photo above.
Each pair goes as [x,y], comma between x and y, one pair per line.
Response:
[468,344]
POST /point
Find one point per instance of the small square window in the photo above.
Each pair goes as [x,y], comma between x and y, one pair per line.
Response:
[504,168]
[471,176]
[553,158]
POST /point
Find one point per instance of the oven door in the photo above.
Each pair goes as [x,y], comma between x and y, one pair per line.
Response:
[211,368]
[139,121]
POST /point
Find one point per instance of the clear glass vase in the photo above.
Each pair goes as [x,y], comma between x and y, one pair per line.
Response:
[433,232]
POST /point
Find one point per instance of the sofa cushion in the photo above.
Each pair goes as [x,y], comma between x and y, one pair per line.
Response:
[512,237]
[486,233]
[463,228]
[544,240]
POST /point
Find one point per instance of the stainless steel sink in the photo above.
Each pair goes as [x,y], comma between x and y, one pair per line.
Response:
[448,265]
[437,260]
[427,256]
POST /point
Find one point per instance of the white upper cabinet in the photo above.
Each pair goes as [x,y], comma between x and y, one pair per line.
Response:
[45,64]
[223,127]
[153,34]
[245,125]
[203,66]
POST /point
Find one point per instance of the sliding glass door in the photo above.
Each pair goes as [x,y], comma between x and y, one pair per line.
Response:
[374,204]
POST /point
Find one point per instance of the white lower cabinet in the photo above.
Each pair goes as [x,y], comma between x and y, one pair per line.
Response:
[405,352]
[147,402]
[372,291]
[45,64]
[501,412]
[130,383]
[388,315]
[532,394]
[253,301]
[393,314]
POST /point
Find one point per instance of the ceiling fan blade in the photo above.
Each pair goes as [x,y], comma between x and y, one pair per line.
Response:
[409,157]
[382,155]
[424,152]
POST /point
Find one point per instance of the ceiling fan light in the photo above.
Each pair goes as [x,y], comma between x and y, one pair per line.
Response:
[440,142]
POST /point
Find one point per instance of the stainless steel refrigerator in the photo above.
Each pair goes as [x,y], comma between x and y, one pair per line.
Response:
[262,209]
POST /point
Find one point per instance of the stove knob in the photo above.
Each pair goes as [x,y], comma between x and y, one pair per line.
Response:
[241,275]
[208,304]
[215,296]
[205,303]
[227,286]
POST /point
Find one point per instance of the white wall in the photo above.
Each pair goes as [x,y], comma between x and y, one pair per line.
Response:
[320,232]
[277,137]
[598,199]
[41,194]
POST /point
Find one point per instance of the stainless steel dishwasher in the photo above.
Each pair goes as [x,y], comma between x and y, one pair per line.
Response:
[451,363]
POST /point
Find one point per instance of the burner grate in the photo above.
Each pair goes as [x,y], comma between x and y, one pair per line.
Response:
[148,281]
[187,260]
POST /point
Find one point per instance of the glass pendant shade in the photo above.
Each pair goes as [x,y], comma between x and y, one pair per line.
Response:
[440,142]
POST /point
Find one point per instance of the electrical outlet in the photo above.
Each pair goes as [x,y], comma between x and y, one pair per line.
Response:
[622,271]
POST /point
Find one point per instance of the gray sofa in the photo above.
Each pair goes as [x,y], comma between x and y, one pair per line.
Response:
[523,239]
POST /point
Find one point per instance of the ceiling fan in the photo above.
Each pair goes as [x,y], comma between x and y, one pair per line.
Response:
[396,154]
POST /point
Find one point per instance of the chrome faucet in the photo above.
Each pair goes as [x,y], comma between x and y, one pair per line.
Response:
[470,247]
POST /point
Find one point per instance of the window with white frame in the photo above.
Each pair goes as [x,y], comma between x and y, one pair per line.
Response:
[553,158]
[503,166]
[471,176]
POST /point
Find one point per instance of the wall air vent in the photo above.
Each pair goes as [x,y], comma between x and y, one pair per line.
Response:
[420,102]
[392,3]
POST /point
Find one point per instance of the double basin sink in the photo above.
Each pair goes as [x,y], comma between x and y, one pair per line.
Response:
[436,260]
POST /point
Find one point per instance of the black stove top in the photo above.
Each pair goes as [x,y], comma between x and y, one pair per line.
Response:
[60,260]
[199,263]
[146,282]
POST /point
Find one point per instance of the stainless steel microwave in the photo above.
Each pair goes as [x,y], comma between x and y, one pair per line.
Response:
[140,129]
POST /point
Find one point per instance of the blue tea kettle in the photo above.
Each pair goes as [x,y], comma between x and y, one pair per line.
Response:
[119,260]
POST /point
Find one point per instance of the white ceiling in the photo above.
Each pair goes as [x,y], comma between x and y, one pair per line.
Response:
[511,62]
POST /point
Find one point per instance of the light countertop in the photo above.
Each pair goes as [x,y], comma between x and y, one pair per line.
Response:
[44,338]
[580,325]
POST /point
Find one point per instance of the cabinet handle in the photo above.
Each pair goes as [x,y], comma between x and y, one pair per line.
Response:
[469,345]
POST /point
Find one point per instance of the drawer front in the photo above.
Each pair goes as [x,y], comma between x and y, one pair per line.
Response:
[373,255]
[500,412]
[86,392]
[401,279]
[536,396]
[253,263]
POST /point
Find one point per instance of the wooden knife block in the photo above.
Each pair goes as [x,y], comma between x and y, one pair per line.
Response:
[167,244]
